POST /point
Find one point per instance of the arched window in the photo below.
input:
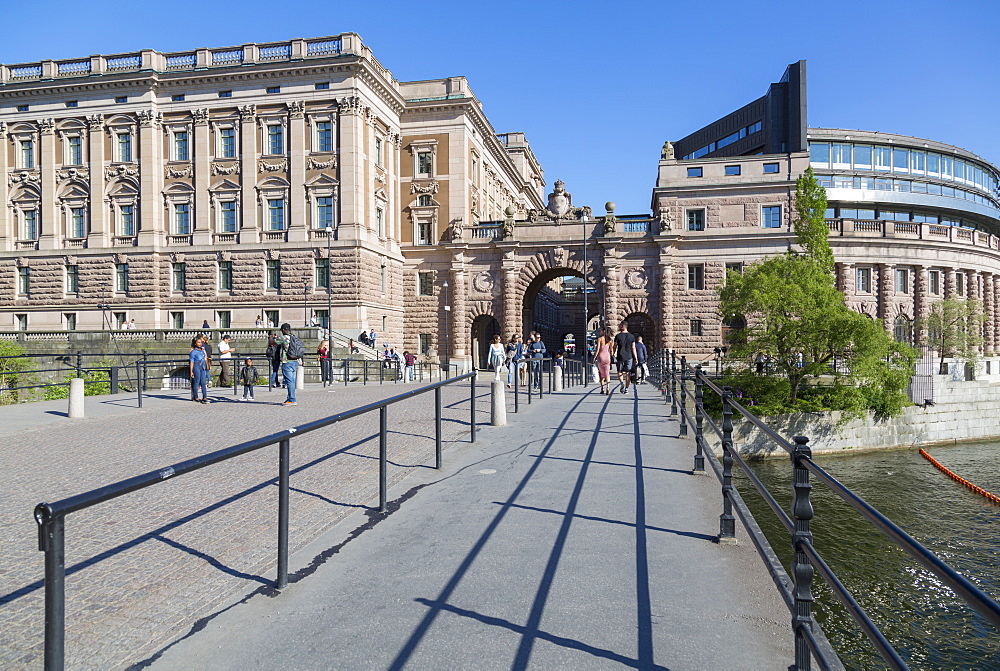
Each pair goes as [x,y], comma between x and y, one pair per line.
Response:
[903,330]
[424,201]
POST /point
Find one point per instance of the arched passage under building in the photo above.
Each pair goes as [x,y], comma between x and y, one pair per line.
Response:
[553,305]
[641,324]
[484,327]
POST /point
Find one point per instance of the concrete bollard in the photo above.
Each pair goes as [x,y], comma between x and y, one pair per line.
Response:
[498,405]
[76,398]
[300,379]
[557,382]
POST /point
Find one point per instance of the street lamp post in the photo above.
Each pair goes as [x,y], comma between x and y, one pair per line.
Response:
[306,288]
[604,301]
[586,314]
[329,282]
[447,328]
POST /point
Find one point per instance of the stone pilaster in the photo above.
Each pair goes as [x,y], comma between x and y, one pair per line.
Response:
[249,229]
[613,298]
[921,305]
[297,215]
[846,280]
[204,226]
[354,188]
[101,230]
[152,229]
[886,292]
[666,305]
[461,325]
[51,234]
[7,233]
[989,309]
[949,282]
[511,295]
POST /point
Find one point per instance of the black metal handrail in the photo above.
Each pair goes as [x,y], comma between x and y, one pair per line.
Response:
[50,517]
[807,559]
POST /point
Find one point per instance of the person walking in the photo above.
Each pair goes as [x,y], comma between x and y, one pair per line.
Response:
[411,361]
[371,338]
[641,356]
[602,359]
[625,356]
[515,353]
[273,355]
[536,350]
[323,351]
[497,356]
[248,377]
[208,362]
[290,351]
[198,368]
[226,352]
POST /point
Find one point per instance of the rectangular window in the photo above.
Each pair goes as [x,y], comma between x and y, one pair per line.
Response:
[322,86]
[178,277]
[181,152]
[902,280]
[272,318]
[863,157]
[918,160]
[732,170]
[379,222]
[225,94]
[864,281]
[423,163]
[22,322]
[121,277]
[378,151]
[227,143]
[273,89]
[177,97]
[227,216]
[696,327]
[324,136]
[72,103]
[124,147]
[771,168]
[770,216]
[934,279]
[322,273]
[69,320]
[840,156]
[23,108]
[819,154]
[78,222]
[225,318]
[696,220]
[425,342]
[225,277]
[883,158]
[127,221]
[323,317]
[24,280]
[735,268]
[694,172]
[74,150]
[182,219]
[933,165]
[960,283]
[900,160]
[120,319]
[696,276]
[275,214]
[381,279]
[274,274]
[121,99]
[27,154]
[177,320]
[424,233]
[275,139]
[324,212]
[30,225]
[425,284]
[72,279]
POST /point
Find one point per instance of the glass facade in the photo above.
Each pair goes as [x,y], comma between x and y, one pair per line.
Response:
[726,141]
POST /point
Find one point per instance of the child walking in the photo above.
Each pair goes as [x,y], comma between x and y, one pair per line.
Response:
[248,376]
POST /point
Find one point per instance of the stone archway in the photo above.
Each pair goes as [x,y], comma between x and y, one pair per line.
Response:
[484,327]
[641,324]
[552,304]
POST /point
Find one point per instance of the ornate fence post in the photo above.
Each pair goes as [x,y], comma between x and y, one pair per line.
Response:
[802,570]
[699,418]
[683,404]
[727,522]
[672,370]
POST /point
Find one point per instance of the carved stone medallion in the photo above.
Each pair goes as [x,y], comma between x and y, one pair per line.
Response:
[483,282]
[635,278]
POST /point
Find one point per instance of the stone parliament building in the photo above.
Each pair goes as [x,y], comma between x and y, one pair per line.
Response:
[296,180]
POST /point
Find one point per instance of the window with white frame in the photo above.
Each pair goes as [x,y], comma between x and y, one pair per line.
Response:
[182,218]
[902,280]
[696,276]
[227,142]
[69,321]
[382,278]
[275,139]
[324,212]
[864,281]
[696,220]
[425,283]
[178,277]
[378,151]
[78,222]
[324,136]
[181,146]
[29,226]
[379,222]
[960,283]
[425,163]
[322,273]
[227,216]
[123,146]
[121,277]
[225,278]
[424,201]
[27,154]
[74,150]
[126,221]
[273,274]
[695,327]
[770,216]
[72,278]
[24,281]
[425,233]
[177,320]
[276,214]
[934,280]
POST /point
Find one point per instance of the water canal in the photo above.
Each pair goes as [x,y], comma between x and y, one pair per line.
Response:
[930,626]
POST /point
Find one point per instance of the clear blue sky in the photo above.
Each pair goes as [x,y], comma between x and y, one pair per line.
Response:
[598,87]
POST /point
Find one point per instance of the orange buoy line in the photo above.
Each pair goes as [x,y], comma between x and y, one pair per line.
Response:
[978,490]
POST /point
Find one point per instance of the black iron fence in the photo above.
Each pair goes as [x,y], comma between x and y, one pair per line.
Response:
[675,379]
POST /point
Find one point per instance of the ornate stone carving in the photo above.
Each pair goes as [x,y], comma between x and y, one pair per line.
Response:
[666,219]
[225,255]
[456,230]
[314,164]
[200,116]
[225,168]
[3,127]
[179,171]
[396,139]
[558,256]
[121,258]
[351,105]
[635,278]
[667,152]
[113,171]
[430,187]
[95,122]
[148,118]
[560,206]
[23,177]
[46,126]
[72,173]
[483,282]
[371,117]
[248,112]
[380,175]
[296,109]
[70,260]
[272,166]
[176,257]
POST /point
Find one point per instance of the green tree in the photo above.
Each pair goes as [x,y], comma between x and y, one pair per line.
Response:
[954,329]
[798,320]
[12,371]
[95,382]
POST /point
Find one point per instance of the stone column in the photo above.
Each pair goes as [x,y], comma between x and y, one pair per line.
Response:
[666,303]
[101,229]
[613,275]
[989,309]
[511,297]
[845,280]
[51,234]
[203,222]
[921,305]
[949,282]
[886,292]
[297,215]
[460,323]
[7,233]
[249,229]
[351,169]
[152,229]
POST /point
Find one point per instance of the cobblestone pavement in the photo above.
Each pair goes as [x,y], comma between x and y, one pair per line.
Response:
[142,568]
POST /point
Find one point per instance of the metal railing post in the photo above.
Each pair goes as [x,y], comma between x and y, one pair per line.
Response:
[138,381]
[383,456]
[699,418]
[437,427]
[683,404]
[517,398]
[727,522]
[802,570]
[347,370]
[145,370]
[79,363]
[113,374]
[472,406]
[52,541]
[527,376]
[672,370]
[283,470]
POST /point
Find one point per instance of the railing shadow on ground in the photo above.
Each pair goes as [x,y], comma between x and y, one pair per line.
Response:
[673,376]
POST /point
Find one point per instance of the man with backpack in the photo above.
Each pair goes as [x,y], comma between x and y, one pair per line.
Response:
[291,352]
[536,350]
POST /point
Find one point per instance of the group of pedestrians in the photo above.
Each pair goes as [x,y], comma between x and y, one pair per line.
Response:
[513,353]
[628,353]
